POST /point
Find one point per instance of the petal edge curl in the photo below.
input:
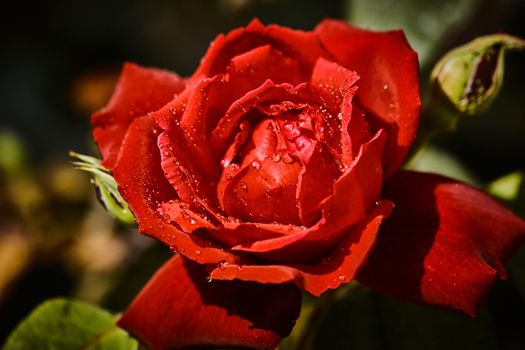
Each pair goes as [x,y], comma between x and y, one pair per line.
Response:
[444,244]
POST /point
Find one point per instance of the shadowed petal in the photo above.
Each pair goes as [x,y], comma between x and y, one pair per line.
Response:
[444,243]
[179,308]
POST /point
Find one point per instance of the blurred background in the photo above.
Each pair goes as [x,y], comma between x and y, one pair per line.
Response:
[59,64]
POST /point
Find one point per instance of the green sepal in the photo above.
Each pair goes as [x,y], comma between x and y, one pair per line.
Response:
[105,187]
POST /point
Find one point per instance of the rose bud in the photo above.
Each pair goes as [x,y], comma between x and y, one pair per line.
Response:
[470,76]
[273,169]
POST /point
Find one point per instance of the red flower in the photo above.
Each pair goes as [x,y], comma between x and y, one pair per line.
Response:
[273,166]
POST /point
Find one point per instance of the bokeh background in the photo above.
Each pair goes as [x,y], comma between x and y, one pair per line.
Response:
[58,64]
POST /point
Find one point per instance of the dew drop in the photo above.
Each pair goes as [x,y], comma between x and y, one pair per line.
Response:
[209,279]
[243,185]
[192,221]
[239,268]
[256,165]
[341,278]
[198,252]
[223,265]
[288,126]
[287,158]
[275,157]
[228,176]
[385,87]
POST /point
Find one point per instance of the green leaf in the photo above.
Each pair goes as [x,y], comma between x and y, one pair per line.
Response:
[426,23]
[105,186]
[64,324]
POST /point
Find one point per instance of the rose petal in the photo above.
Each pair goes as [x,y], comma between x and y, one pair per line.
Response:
[268,92]
[234,232]
[266,193]
[254,67]
[143,185]
[335,79]
[444,244]
[389,85]
[139,91]
[178,308]
[193,185]
[179,212]
[354,194]
[338,82]
[304,47]
[338,267]
[316,183]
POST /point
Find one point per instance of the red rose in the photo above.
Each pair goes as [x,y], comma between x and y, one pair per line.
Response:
[276,164]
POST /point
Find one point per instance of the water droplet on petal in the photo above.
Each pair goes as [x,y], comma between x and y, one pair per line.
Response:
[228,176]
[275,157]
[288,126]
[341,278]
[192,221]
[197,251]
[287,158]
[239,268]
[256,165]
[243,185]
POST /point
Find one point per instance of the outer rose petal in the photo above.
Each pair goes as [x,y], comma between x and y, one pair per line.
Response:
[301,46]
[338,267]
[178,308]
[389,84]
[139,91]
[444,243]
[143,185]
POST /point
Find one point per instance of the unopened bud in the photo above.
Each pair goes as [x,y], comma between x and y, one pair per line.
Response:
[470,76]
